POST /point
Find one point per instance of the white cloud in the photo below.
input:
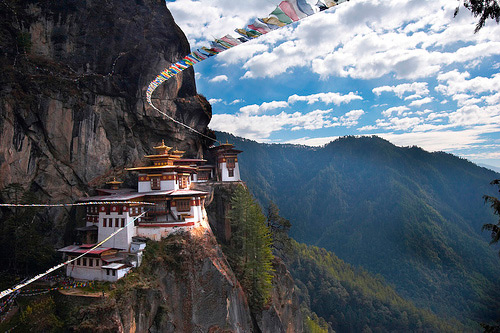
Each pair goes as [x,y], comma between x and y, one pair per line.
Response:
[312,141]
[400,124]
[446,140]
[260,127]
[369,41]
[219,78]
[367,128]
[456,82]
[418,88]
[398,109]
[420,102]
[470,115]
[236,101]
[351,118]
[266,106]
[327,98]
[214,100]
[202,20]
[414,96]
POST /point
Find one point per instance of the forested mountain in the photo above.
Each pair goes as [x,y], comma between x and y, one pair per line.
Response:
[412,216]
[353,300]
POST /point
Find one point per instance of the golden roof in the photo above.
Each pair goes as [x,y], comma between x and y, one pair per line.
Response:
[178,152]
[163,146]
[114,182]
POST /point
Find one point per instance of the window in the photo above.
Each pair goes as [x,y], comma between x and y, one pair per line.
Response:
[230,172]
[155,183]
[123,223]
[183,181]
[117,222]
[230,162]
[91,262]
[104,222]
[107,271]
[183,205]
[114,272]
[203,175]
[78,262]
[84,261]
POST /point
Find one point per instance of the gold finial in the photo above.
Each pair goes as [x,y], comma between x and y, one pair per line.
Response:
[162,149]
[115,184]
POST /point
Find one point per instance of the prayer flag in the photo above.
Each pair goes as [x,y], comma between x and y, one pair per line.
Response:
[287,8]
[281,16]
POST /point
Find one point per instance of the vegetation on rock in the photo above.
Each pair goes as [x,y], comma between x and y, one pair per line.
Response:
[412,216]
[249,250]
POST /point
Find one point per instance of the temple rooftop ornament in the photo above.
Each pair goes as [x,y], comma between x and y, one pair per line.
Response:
[115,184]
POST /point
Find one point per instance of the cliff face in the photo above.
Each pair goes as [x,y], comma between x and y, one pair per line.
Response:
[186,285]
[73,78]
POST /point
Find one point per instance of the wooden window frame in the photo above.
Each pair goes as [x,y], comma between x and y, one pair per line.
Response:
[181,205]
[155,183]
[230,162]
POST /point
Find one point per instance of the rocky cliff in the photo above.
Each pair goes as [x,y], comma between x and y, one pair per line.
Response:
[72,95]
[186,285]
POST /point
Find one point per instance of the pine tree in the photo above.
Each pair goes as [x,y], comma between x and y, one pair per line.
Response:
[485,9]
[279,228]
[249,250]
[495,204]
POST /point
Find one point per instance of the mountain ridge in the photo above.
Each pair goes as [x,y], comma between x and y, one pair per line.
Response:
[412,216]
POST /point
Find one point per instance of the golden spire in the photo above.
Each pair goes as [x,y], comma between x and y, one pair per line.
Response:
[162,149]
[115,184]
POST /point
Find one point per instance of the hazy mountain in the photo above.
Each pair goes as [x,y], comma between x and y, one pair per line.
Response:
[491,167]
[353,300]
[412,216]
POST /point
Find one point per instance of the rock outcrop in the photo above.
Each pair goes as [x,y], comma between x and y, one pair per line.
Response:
[72,95]
[73,78]
[283,313]
[184,285]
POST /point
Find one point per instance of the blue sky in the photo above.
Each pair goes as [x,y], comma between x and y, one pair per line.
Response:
[405,70]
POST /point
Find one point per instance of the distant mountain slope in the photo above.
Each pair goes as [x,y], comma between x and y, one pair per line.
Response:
[412,216]
[353,300]
[491,167]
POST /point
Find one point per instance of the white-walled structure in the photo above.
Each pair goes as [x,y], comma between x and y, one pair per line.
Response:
[227,167]
[166,184]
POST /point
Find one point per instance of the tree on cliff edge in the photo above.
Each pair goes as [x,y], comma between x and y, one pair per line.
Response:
[495,204]
[485,9]
[249,250]
[495,237]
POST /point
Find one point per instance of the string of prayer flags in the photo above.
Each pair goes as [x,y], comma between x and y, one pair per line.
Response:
[285,13]
[77,204]
[50,270]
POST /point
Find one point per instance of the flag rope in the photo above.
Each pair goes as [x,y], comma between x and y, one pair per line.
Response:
[50,270]
[286,12]
[76,204]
